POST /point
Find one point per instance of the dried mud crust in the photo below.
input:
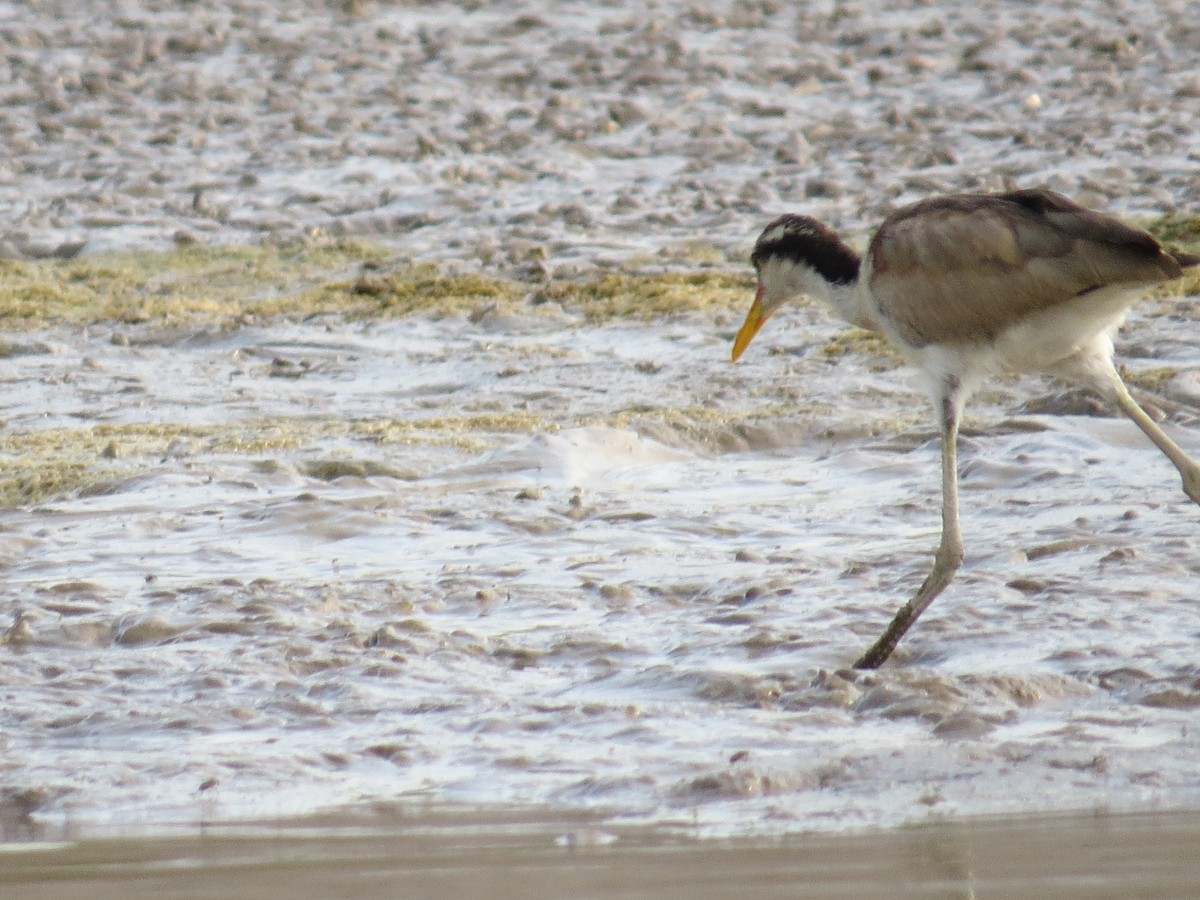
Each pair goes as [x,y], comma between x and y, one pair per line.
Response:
[570,135]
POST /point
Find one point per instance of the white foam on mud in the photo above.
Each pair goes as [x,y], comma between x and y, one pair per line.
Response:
[510,591]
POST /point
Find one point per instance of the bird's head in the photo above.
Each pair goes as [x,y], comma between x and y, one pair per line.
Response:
[794,256]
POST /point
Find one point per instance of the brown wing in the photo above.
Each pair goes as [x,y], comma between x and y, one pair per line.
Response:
[962,268]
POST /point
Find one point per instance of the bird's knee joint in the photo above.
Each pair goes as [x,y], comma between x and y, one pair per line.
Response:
[949,556]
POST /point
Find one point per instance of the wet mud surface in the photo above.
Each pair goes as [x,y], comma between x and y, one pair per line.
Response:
[576,563]
[448,853]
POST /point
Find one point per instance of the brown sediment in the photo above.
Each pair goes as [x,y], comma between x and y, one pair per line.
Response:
[445,853]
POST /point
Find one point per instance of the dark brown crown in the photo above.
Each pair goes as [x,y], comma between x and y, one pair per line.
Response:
[804,240]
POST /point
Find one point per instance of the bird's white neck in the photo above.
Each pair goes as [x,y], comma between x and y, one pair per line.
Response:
[849,302]
[784,280]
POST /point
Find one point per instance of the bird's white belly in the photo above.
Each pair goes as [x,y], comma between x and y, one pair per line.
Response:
[1067,340]
[1045,341]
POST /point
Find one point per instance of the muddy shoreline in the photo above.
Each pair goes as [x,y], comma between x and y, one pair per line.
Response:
[449,853]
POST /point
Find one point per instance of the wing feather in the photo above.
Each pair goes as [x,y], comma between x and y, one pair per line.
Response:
[961,269]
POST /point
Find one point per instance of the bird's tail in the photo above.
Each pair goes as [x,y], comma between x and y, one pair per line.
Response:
[1186,260]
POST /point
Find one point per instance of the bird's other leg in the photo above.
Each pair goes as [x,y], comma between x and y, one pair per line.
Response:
[1114,388]
[950,551]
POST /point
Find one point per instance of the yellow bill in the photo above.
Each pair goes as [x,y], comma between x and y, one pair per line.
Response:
[754,321]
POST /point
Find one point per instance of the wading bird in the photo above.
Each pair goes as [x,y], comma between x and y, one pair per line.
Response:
[968,285]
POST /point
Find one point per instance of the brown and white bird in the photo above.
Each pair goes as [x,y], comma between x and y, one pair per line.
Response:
[968,285]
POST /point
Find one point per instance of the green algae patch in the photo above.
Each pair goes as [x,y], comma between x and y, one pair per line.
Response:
[28,482]
[416,289]
[226,286]
[41,465]
[1151,379]
[652,295]
[191,284]
[463,432]
[861,342]
[426,289]
[232,285]
[333,469]
[1182,232]
[1177,229]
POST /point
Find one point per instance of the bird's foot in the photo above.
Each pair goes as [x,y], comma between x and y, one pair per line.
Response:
[945,563]
[879,652]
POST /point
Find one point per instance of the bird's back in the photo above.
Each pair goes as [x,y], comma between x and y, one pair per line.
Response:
[962,269]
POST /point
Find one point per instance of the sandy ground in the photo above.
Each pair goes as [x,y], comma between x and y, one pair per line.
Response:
[447,855]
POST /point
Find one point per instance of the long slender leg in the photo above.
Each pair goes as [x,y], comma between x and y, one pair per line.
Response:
[1187,467]
[949,552]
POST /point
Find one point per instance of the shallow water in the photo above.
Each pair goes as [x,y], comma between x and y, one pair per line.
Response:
[594,565]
